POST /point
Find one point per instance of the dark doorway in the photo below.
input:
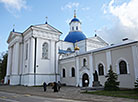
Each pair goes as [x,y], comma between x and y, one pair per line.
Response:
[84,78]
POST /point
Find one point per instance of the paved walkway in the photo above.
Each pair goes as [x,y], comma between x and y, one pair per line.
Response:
[65,92]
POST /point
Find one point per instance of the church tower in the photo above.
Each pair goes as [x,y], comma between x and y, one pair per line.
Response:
[75,33]
[75,24]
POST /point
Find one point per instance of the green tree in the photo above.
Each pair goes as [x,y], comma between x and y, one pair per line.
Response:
[136,84]
[0,69]
[3,65]
[111,84]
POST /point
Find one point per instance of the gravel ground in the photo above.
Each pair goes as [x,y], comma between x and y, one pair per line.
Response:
[65,92]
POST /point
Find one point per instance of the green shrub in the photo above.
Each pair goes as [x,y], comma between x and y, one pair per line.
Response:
[111,84]
[136,85]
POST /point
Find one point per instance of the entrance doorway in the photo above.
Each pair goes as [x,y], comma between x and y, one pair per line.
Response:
[84,78]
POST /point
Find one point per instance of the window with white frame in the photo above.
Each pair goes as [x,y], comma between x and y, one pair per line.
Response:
[123,67]
[45,51]
[101,69]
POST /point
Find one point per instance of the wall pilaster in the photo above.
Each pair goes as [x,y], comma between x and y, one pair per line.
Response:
[108,59]
[135,60]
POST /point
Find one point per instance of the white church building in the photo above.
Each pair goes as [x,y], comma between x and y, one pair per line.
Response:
[38,55]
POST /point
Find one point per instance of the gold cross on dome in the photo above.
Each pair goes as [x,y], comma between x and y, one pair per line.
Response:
[74,13]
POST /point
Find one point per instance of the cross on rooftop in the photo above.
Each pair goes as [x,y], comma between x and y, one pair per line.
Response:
[46,20]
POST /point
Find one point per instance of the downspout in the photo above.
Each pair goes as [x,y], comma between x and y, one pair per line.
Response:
[35,59]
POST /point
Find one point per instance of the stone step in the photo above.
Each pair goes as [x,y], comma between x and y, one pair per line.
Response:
[93,88]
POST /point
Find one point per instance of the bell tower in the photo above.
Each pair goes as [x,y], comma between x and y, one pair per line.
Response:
[75,24]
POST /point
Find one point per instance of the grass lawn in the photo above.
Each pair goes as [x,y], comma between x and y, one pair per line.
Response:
[122,93]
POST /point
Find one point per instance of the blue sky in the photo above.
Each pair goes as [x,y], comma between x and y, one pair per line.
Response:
[112,19]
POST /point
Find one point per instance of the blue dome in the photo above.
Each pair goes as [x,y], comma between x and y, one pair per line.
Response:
[75,36]
[75,19]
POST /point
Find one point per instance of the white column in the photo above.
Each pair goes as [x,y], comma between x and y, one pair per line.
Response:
[91,70]
[52,57]
[135,60]
[108,60]
[13,60]
[77,71]
[16,60]
[9,62]
[31,55]
[23,62]
[21,58]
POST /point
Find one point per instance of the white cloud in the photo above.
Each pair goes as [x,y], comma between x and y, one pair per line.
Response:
[86,8]
[104,7]
[125,21]
[70,5]
[17,4]
[126,13]
[74,5]
[14,5]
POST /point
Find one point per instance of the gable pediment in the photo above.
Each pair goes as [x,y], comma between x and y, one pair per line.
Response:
[47,27]
[97,39]
[13,35]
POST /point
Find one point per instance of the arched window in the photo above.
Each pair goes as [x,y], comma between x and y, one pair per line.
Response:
[84,62]
[64,73]
[101,69]
[68,49]
[76,27]
[72,28]
[123,67]
[73,72]
[45,51]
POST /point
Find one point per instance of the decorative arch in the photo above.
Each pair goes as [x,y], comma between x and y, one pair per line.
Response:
[122,62]
[84,71]
[45,50]
[85,80]
[89,76]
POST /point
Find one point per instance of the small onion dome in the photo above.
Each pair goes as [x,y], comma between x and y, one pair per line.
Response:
[76,48]
[74,20]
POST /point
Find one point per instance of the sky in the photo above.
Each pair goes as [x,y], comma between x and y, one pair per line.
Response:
[112,20]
